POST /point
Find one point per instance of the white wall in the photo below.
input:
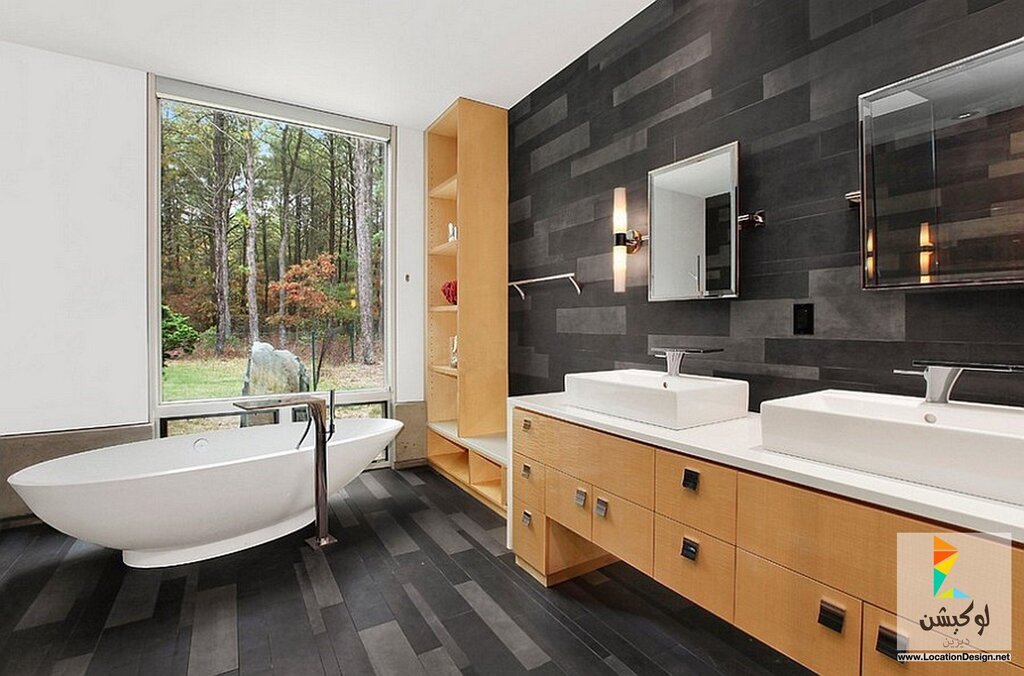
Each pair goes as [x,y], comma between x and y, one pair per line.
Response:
[73,341]
[681,238]
[409,267]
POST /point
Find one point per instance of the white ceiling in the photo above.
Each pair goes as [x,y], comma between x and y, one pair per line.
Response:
[394,61]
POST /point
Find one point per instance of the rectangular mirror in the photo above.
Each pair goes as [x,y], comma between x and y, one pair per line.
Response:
[692,214]
[942,184]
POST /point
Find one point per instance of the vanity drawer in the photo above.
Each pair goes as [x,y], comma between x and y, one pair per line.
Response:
[692,563]
[532,434]
[879,637]
[823,537]
[698,493]
[567,500]
[624,529]
[528,480]
[529,536]
[814,624]
[618,465]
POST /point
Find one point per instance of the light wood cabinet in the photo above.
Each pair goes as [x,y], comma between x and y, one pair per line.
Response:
[466,157]
[528,480]
[816,625]
[568,500]
[533,435]
[701,494]
[697,565]
[529,531]
[845,544]
[624,529]
[811,574]
[623,467]
[1017,654]
[880,639]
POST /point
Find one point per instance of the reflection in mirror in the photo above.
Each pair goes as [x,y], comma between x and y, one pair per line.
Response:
[943,175]
[693,227]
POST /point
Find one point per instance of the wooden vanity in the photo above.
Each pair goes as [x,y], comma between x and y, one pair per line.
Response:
[809,573]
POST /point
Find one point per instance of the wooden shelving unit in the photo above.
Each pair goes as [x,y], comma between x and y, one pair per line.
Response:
[467,184]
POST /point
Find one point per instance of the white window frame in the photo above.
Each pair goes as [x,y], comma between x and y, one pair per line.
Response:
[166,88]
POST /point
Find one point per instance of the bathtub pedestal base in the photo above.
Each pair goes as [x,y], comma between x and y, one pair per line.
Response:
[158,558]
[317,543]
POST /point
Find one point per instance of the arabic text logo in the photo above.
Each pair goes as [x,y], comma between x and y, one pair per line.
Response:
[944,556]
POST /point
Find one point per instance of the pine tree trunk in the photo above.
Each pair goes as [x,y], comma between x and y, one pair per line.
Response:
[287,172]
[364,262]
[220,233]
[333,209]
[250,240]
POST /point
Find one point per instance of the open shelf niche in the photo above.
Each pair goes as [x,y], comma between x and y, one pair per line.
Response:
[467,185]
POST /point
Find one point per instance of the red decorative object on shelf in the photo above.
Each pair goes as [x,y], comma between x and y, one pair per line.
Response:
[450,291]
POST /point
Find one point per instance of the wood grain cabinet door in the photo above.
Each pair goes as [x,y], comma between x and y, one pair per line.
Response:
[528,480]
[823,537]
[624,529]
[529,536]
[699,494]
[814,624]
[532,435]
[880,640]
[697,565]
[567,500]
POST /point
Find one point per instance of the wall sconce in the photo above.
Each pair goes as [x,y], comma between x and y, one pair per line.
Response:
[627,240]
[927,253]
[869,256]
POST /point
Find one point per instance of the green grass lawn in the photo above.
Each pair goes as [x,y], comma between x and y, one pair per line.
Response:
[213,378]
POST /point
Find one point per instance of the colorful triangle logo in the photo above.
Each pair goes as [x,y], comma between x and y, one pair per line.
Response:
[944,556]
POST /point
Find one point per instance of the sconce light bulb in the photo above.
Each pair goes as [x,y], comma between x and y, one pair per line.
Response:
[619,268]
[619,213]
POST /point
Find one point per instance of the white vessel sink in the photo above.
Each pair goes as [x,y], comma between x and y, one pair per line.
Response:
[676,402]
[969,448]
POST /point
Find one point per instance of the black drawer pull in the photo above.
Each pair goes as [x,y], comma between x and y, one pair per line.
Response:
[831,617]
[527,518]
[601,508]
[526,471]
[581,497]
[691,479]
[690,549]
[890,644]
[527,424]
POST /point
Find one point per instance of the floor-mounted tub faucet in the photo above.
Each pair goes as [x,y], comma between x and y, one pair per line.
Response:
[941,376]
[318,412]
[673,356]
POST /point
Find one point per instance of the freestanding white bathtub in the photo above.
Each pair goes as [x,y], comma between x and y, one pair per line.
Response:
[187,498]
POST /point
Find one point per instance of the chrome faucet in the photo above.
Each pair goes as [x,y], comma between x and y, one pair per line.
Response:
[673,356]
[941,376]
[324,424]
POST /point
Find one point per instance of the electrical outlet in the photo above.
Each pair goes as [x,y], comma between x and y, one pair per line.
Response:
[803,319]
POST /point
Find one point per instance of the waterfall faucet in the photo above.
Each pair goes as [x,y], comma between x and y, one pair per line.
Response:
[318,412]
[941,376]
[673,356]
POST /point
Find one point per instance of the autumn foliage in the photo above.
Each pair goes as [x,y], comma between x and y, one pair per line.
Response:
[312,296]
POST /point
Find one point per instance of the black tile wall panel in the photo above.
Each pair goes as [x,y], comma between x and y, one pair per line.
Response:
[782,78]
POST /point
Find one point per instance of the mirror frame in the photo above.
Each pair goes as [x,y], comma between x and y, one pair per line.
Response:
[866,191]
[734,288]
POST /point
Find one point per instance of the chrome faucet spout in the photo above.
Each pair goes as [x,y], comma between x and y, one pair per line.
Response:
[940,376]
[674,356]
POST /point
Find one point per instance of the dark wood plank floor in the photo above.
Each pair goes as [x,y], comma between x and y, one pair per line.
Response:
[421,582]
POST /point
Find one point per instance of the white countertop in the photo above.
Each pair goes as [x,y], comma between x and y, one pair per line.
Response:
[737,443]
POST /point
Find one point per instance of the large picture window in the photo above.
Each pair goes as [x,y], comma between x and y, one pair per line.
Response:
[272,242]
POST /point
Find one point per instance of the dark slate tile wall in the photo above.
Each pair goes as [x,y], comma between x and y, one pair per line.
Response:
[781,77]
